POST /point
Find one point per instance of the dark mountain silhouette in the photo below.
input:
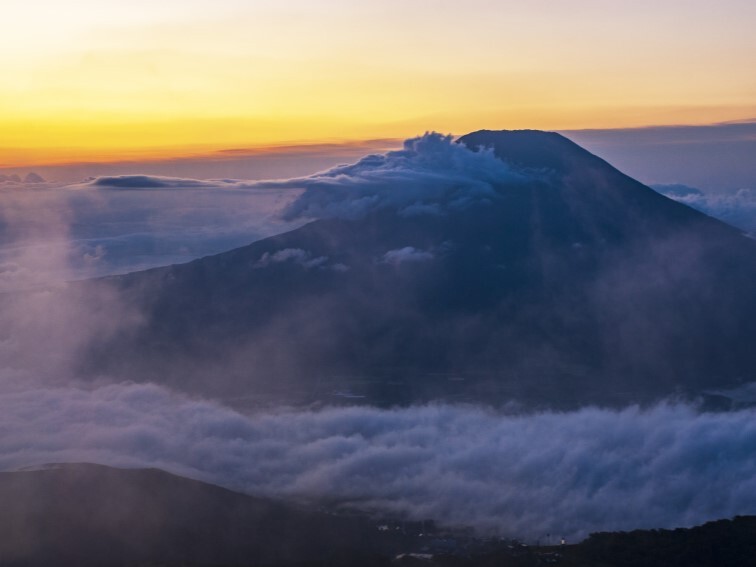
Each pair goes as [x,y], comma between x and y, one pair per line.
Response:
[83,514]
[576,285]
[729,543]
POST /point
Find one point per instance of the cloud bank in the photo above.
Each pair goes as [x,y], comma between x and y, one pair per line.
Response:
[98,228]
[736,208]
[519,475]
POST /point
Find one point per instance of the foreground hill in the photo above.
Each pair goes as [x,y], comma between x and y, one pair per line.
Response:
[82,514]
[555,280]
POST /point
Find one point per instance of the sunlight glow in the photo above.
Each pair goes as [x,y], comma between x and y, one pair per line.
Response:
[97,79]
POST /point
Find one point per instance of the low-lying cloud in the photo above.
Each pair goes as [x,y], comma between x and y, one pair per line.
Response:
[520,475]
[736,208]
[95,228]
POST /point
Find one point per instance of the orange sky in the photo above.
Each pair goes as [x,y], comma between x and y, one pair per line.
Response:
[98,80]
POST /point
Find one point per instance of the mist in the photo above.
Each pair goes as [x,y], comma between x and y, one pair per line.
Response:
[503,471]
[512,474]
[737,208]
[99,227]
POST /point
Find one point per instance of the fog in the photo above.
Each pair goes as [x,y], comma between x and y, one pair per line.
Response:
[737,208]
[96,228]
[505,471]
[513,474]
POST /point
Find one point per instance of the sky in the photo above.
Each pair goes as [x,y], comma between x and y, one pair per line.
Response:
[105,80]
[263,89]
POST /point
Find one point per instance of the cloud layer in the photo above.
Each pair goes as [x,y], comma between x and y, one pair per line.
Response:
[120,224]
[736,208]
[520,475]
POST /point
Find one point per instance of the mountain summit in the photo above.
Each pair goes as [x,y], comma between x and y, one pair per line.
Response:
[505,265]
[532,149]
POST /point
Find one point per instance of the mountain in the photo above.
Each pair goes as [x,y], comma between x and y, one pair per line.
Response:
[83,514]
[730,543]
[560,282]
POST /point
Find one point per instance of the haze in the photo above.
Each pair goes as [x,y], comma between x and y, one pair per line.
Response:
[243,242]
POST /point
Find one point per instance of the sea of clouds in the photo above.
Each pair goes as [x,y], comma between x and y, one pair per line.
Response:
[505,472]
[513,474]
[57,233]
[737,208]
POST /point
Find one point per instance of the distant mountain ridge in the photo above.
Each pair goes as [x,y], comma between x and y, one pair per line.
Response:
[571,284]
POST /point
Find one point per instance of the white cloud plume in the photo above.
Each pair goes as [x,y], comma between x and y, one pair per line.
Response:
[523,475]
[430,174]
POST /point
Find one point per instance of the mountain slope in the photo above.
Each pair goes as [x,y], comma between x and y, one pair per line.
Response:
[82,514]
[561,282]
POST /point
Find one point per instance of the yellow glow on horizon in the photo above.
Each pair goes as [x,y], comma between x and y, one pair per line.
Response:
[103,79]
